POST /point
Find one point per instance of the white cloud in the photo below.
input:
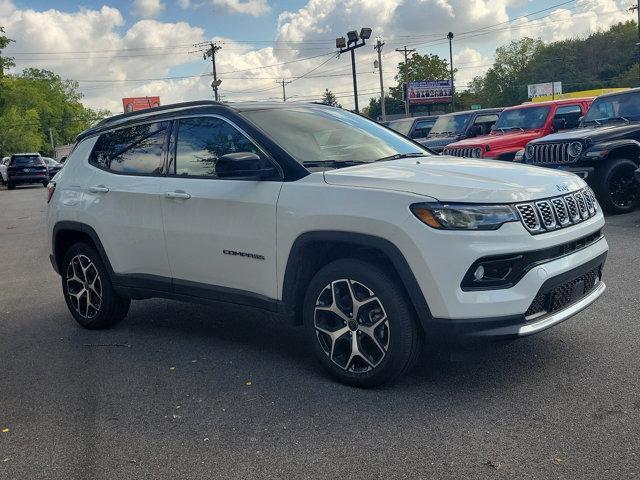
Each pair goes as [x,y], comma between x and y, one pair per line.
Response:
[248,7]
[116,56]
[6,7]
[470,63]
[148,8]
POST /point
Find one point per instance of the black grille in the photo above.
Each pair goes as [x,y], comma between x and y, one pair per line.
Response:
[558,212]
[563,295]
[547,153]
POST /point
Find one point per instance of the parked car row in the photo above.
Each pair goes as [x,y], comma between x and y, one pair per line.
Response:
[27,168]
[598,139]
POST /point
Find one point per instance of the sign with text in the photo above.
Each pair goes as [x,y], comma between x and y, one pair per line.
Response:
[432,91]
[544,89]
[133,104]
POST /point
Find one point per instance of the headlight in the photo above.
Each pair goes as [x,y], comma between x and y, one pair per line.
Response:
[530,151]
[476,153]
[519,157]
[575,149]
[463,216]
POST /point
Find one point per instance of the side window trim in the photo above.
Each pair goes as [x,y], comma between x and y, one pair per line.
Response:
[135,174]
[174,146]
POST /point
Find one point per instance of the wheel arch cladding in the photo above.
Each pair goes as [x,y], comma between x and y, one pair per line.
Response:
[312,250]
[67,233]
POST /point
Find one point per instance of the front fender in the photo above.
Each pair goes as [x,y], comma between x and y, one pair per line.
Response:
[629,148]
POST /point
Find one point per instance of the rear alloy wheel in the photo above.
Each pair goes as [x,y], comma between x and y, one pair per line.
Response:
[88,291]
[362,327]
[617,189]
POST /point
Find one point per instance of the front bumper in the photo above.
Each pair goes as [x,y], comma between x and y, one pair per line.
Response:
[452,331]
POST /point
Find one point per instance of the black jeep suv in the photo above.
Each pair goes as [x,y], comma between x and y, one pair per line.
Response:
[604,150]
[457,126]
[24,168]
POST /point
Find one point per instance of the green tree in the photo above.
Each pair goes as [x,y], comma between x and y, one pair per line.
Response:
[420,67]
[392,106]
[5,62]
[20,131]
[57,103]
[328,98]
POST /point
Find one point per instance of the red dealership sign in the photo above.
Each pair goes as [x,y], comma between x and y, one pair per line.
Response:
[134,104]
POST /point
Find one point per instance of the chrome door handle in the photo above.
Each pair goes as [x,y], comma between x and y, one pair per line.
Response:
[98,189]
[178,195]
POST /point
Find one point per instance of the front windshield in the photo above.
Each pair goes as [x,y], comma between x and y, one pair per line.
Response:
[401,126]
[316,134]
[450,124]
[525,118]
[625,106]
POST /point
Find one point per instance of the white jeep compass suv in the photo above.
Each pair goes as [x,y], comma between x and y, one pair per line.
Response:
[324,218]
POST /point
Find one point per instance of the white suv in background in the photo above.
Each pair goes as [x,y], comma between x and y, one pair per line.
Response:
[325,218]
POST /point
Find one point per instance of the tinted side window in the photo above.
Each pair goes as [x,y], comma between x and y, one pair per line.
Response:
[136,150]
[484,123]
[201,141]
[423,127]
[570,114]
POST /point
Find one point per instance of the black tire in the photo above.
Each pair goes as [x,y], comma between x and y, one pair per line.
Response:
[44,184]
[400,334]
[106,312]
[10,186]
[616,187]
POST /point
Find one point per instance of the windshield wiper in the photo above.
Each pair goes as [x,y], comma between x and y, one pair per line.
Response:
[332,163]
[597,122]
[398,156]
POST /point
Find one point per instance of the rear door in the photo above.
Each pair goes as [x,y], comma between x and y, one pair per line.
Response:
[123,202]
[220,232]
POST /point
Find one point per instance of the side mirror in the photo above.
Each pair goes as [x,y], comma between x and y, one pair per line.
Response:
[245,165]
[558,124]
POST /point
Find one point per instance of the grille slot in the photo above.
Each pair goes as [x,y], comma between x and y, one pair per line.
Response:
[546,214]
[529,217]
[563,295]
[560,209]
[558,212]
[459,152]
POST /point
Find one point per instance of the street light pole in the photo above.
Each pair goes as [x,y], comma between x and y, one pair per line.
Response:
[349,46]
[378,48]
[453,91]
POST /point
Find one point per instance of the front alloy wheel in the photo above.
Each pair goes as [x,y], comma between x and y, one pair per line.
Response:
[351,325]
[360,323]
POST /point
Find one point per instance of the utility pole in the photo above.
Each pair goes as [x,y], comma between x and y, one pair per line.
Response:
[453,91]
[406,52]
[212,53]
[283,83]
[636,7]
[378,47]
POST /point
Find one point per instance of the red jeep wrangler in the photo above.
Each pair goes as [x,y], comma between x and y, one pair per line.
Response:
[518,125]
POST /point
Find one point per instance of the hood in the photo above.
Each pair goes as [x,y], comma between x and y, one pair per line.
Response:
[595,133]
[438,143]
[499,140]
[454,179]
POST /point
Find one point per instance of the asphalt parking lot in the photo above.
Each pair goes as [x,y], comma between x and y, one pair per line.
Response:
[186,391]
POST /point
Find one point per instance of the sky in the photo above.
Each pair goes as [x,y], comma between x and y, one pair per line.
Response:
[118,48]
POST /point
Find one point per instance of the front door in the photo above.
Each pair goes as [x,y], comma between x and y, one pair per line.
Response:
[220,232]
